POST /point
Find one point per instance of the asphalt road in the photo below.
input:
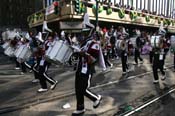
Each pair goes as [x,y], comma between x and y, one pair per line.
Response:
[120,93]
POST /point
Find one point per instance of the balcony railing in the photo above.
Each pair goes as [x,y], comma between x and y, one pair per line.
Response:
[129,16]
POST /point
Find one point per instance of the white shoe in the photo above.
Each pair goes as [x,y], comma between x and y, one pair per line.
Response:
[76,112]
[128,71]
[22,73]
[52,87]
[163,77]
[17,68]
[104,69]
[124,73]
[117,58]
[141,62]
[42,90]
[111,66]
[35,81]
[156,81]
[135,63]
[97,102]
[30,71]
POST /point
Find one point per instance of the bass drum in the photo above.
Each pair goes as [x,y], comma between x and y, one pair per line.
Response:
[120,44]
[156,42]
[133,41]
[172,41]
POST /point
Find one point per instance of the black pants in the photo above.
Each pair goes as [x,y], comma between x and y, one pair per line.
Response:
[23,67]
[137,55]
[113,52]
[124,61]
[34,67]
[43,77]
[151,56]
[106,59]
[82,84]
[156,66]
[17,63]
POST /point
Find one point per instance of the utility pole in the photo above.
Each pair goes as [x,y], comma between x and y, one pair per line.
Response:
[44,4]
[96,14]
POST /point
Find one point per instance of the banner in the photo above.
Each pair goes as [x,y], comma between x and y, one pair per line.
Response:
[50,10]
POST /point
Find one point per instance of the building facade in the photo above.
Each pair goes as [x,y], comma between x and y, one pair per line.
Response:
[14,13]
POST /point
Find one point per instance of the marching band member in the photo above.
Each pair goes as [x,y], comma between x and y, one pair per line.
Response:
[87,58]
[23,67]
[158,60]
[35,59]
[106,52]
[124,57]
[138,48]
[43,68]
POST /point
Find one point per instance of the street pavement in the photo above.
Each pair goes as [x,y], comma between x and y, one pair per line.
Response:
[121,93]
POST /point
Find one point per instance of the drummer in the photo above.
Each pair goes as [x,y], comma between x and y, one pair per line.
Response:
[124,55]
[158,61]
[88,56]
[33,63]
[138,47]
[43,68]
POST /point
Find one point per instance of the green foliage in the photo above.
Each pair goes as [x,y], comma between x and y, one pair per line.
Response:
[121,13]
[147,19]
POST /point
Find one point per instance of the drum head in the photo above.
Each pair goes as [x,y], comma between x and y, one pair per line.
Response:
[120,44]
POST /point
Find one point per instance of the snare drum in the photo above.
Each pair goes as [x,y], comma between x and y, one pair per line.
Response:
[53,50]
[23,53]
[64,53]
[156,42]
[5,45]
[9,51]
[59,52]
[120,44]
[18,50]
